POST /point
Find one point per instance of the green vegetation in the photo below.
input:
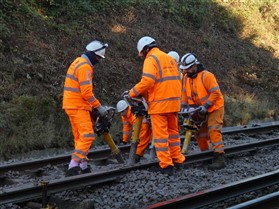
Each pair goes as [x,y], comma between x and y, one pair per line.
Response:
[237,41]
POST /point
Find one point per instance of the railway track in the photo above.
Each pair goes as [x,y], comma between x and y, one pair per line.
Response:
[103,154]
[37,191]
[29,192]
[206,197]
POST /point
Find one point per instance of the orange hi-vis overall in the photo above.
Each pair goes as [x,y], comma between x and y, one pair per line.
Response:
[145,131]
[201,90]
[128,122]
[78,100]
[162,84]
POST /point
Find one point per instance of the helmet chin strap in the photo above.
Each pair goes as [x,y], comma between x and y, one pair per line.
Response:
[147,48]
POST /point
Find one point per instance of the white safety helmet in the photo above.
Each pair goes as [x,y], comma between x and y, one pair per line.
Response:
[121,105]
[187,61]
[97,47]
[144,41]
[174,55]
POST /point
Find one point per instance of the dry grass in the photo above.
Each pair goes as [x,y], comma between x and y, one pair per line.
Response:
[237,41]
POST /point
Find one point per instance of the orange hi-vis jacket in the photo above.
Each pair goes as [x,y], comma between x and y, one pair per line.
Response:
[128,122]
[201,90]
[78,88]
[159,80]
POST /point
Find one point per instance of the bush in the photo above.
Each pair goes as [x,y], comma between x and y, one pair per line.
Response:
[30,123]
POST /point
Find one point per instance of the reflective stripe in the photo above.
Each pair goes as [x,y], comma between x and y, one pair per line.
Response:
[135,91]
[202,80]
[209,103]
[217,127]
[83,83]
[183,90]
[219,149]
[204,98]
[217,143]
[80,152]
[76,157]
[159,66]
[91,99]
[71,77]
[214,89]
[162,149]
[149,76]
[80,64]
[89,135]
[175,136]
[160,140]
[174,144]
[126,133]
[168,78]
[126,123]
[71,89]
[168,99]
[161,79]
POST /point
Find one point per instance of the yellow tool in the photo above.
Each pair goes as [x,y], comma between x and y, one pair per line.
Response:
[190,129]
[192,123]
[135,140]
[114,149]
[138,108]
[101,128]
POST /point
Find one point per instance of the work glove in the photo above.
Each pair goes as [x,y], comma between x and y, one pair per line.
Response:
[102,110]
[183,109]
[126,94]
[186,109]
[203,109]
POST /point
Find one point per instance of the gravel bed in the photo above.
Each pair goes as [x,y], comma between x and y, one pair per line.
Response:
[139,189]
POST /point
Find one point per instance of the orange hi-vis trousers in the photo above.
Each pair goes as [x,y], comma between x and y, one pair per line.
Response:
[166,139]
[211,132]
[82,131]
[144,138]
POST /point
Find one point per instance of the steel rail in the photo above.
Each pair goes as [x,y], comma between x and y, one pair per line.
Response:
[95,155]
[268,201]
[267,126]
[30,192]
[210,196]
[106,153]
[236,149]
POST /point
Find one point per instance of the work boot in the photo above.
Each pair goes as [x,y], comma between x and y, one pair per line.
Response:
[205,163]
[137,158]
[73,171]
[178,165]
[168,170]
[86,170]
[218,161]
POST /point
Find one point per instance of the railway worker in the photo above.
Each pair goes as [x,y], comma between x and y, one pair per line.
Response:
[161,83]
[200,89]
[78,101]
[128,121]
[176,57]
